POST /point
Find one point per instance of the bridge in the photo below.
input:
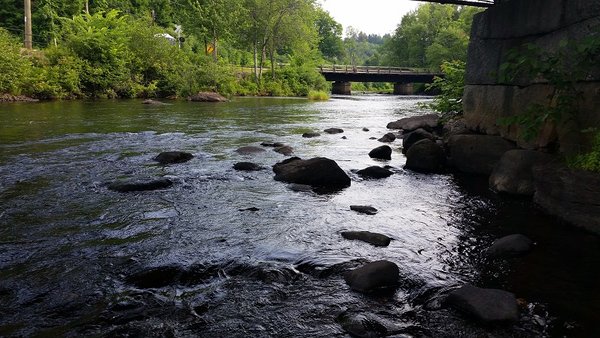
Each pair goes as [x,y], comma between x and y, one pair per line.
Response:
[403,78]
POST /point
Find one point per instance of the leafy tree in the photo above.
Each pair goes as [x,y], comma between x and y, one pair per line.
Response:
[330,36]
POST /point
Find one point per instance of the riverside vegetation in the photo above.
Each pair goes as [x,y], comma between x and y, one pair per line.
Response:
[117,49]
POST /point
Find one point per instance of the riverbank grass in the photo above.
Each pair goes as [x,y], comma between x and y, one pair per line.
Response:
[318,95]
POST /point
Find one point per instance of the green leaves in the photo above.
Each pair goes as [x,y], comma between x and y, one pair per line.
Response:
[451,87]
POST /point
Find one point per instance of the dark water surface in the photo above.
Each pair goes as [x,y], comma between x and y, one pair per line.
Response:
[70,248]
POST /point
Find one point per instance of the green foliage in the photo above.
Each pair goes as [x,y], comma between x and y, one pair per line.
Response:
[13,67]
[318,95]
[573,61]
[589,160]
[330,36]
[451,87]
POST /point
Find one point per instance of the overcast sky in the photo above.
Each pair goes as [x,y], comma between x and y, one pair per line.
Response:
[370,16]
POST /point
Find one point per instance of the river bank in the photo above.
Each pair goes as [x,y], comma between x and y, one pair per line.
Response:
[249,255]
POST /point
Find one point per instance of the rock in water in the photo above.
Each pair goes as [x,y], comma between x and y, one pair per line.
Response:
[300,187]
[310,135]
[382,153]
[284,150]
[364,209]
[373,276]
[514,172]
[318,171]
[249,150]
[334,131]
[486,305]
[207,97]
[413,137]
[387,138]
[153,102]
[427,122]
[426,156]
[247,166]
[510,246]
[129,186]
[477,154]
[170,157]
[367,236]
[374,172]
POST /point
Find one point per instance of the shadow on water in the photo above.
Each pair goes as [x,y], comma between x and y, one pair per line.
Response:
[227,253]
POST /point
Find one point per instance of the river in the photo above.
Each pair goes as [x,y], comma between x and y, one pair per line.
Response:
[69,247]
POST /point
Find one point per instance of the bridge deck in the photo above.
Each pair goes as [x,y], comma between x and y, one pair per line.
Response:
[346,73]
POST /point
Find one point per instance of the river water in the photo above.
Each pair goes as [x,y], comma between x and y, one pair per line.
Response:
[70,249]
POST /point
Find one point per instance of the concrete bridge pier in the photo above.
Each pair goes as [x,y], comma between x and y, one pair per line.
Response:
[341,88]
[404,88]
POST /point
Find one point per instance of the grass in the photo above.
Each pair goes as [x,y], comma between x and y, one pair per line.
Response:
[318,95]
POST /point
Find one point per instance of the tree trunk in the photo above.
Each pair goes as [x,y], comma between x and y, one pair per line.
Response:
[272,52]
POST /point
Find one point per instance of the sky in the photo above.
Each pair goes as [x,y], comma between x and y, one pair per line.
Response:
[370,16]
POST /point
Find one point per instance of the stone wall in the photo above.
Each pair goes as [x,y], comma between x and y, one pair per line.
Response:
[508,25]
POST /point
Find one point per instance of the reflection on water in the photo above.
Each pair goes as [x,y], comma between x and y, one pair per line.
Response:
[69,247]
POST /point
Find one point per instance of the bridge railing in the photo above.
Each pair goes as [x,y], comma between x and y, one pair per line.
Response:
[371,69]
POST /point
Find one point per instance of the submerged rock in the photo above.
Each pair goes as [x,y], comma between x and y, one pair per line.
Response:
[310,135]
[284,150]
[207,97]
[247,166]
[486,305]
[510,246]
[364,209]
[373,276]
[426,156]
[300,187]
[153,102]
[249,150]
[427,122]
[136,185]
[253,209]
[367,325]
[381,153]
[514,172]
[334,131]
[318,171]
[374,172]
[272,144]
[477,154]
[367,236]
[170,157]
[387,138]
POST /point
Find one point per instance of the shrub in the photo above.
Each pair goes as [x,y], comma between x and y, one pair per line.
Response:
[318,95]
[451,88]
[14,68]
[590,160]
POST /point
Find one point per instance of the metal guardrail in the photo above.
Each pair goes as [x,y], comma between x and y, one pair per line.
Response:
[348,69]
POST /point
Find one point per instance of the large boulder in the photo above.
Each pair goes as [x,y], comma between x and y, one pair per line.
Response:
[428,122]
[388,138]
[367,236]
[170,157]
[374,172]
[318,171]
[140,185]
[510,246]
[381,153]
[373,276]
[572,195]
[514,172]
[477,154]
[426,156]
[207,97]
[486,305]
[415,136]
[249,150]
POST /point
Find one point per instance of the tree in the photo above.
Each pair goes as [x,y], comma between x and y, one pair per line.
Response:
[330,36]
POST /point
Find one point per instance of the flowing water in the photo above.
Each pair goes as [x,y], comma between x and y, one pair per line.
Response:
[72,252]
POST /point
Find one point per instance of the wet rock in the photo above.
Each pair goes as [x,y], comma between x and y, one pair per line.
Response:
[317,171]
[387,138]
[374,172]
[413,137]
[514,172]
[334,131]
[284,150]
[367,236]
[364,209]
[426,156]
[366,325]
[300,187]
[344,138]
[510,246]
[373,276]
[372,138]
[253,209]
[427,122]
[486,305]
[310,135]
[249,150]
[247,166]
[272,144]
[153,102]
[365,129]
[129,186]
[455,127]
[207,97]
[170,157]
[477,154]
[382,153]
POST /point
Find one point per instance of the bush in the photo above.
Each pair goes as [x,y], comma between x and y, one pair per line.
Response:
[451,88]
[318,95]
[590,160]
[14,68]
